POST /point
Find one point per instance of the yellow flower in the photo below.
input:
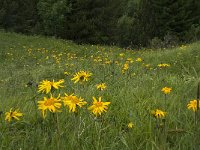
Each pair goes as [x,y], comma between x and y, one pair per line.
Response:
[13,115]
[108,62]
[166,90]
[117,62]
[130,60]
[130,125]
[125,67]
[138,59]
[52,104]
[47,86]
[72,102]
[193,105]
[101,86]
[98,107]
[66,73]
[163,65]
[158,113]
[81,76]
[121,54]
[148,66]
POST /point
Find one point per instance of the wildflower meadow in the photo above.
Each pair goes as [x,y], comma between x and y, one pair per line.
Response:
[55,94]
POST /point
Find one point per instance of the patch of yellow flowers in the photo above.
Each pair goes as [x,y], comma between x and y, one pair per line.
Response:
[53,104]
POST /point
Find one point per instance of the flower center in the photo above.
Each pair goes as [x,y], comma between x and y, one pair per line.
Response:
[11,114]
[49,102]
[74,99]
[99,104]
[82,77]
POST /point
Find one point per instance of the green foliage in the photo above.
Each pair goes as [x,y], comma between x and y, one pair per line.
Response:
[93,21]
[18,15]
[53,16]
[194,33]
[156,43]
[128,23]
[172,17]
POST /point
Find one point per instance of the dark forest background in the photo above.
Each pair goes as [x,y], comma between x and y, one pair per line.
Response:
[126,23]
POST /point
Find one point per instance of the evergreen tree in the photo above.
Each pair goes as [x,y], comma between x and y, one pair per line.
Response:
[52,15]
[172,16]
[18,15]
[93,21]
[123,22]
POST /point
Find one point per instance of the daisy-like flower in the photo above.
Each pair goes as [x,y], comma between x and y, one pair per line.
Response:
[147,65]
[13,114]
[81,76]
[66,73]
[158,113]
[163,65]
[130,125]
[47,86]
[52,104]
[138,59]
[125,67]
[101,86]
[72,102]
[108,62]
[193,105]
[98,107]
[121,54]
[130,60]
[166,90]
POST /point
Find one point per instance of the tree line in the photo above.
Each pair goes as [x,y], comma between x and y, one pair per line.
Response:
[127,23]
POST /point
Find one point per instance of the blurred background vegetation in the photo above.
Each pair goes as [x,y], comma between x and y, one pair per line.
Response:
[126,23]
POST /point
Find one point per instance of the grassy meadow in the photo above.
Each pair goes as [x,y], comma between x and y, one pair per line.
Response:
[133,81]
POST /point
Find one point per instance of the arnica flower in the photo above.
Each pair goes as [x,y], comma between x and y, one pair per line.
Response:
[13,114]
[66,73]
[166,90]
[98,107]
[81,76]
[158,113]
[125,67]
[72,102]
[52,104]
[47,86]
[130,60]
[138,59]
[117,62]
[130,125]
[121,54]
[163,65]
[101,86]
[147,65]
[108,62]
[193,105]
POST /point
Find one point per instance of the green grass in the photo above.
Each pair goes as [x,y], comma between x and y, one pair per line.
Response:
[132,95]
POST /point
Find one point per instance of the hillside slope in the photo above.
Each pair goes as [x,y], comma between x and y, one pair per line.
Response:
[134,80]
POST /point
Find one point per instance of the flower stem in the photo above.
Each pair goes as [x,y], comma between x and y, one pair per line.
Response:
[58,130]
[197,118]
